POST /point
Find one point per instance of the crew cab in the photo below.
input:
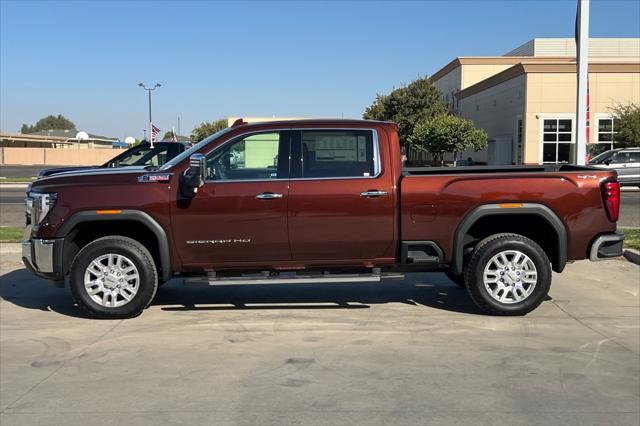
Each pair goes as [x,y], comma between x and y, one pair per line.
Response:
[315,201]
[142,154]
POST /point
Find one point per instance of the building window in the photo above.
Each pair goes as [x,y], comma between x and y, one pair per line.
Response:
[606,137]
[519,142]
[557,140]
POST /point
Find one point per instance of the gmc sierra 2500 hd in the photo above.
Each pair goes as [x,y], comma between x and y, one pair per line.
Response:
[315,201]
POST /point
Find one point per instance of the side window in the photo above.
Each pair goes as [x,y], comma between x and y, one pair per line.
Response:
[620,157]
[634,157]
[336,153]
[253,157]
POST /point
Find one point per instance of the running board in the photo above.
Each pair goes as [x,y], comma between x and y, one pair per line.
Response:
[292,278]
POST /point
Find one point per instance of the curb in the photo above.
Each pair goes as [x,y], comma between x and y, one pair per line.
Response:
[632,256]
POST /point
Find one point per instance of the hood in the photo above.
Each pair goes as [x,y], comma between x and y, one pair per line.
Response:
[48,172]
[89,177]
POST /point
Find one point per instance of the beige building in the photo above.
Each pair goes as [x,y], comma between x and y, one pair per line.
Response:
[525,100]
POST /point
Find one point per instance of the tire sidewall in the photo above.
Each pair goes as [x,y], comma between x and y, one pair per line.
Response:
[475,275]
[132,250]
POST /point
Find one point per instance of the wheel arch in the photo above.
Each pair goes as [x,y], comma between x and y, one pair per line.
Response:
[544,214]
[149,224]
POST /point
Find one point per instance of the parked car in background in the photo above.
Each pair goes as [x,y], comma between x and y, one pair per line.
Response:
[140,155]
[625,161]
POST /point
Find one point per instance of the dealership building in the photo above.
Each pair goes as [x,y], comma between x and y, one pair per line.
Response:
[526,99]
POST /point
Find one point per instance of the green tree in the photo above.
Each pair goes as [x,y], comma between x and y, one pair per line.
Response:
[627,125]
[447,133]
[206,129]
[167,135]
[407,106]
[49,122]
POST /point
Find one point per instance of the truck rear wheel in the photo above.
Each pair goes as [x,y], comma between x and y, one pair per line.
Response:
[508,274]
[113,277]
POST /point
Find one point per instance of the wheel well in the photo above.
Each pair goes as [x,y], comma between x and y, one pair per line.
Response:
[85,232]
[532,226]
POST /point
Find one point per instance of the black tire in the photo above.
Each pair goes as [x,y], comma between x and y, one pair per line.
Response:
[456,279]
[482,255]
[141,259]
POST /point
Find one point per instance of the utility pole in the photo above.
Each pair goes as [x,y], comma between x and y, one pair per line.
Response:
[178,125]
[149,90]
[582,68]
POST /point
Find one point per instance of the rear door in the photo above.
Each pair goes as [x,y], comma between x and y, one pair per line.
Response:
[341,201]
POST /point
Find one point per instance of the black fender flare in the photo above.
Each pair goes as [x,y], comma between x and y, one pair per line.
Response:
[132,215]
[495,209]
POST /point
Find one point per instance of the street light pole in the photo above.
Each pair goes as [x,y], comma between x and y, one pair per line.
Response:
[149,90]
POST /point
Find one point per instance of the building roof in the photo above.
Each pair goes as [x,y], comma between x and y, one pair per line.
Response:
[538,67]
[69,134]
[30,137]
[549,50]
[493,60]
[598,47]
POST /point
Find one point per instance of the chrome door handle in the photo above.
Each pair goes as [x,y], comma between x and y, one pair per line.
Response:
[372,193]
[268,196]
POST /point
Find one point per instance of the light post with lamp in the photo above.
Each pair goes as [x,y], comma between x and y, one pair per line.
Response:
[149,90]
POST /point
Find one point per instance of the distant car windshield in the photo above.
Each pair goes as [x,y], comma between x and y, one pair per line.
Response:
[195,148]
[599,159]
[145,155]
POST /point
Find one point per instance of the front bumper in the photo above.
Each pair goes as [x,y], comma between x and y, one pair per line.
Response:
[43,257]
[606,246]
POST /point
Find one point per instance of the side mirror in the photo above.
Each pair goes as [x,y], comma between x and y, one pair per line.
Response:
[194,177]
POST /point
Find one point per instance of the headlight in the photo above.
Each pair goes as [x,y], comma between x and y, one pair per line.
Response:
[41,204]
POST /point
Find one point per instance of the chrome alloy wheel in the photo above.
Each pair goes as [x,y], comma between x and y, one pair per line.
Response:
[111,280]
[510,276]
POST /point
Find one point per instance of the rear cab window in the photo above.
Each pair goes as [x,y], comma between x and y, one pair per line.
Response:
[344,153]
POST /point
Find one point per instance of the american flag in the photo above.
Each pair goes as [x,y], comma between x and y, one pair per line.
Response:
[154,133]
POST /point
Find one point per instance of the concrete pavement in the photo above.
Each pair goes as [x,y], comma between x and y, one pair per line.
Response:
[409,352]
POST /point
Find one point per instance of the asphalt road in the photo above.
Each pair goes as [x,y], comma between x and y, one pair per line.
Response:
[12,209]
[21,171]
[413,352]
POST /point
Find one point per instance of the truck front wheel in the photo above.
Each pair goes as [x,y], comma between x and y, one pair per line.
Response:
[508,274]
[113,277]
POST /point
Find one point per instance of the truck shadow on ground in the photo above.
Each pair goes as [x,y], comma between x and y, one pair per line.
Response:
[432,290]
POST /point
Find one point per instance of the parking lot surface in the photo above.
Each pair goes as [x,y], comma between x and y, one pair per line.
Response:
[398,353]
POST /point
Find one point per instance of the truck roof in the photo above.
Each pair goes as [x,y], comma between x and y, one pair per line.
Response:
[311,121]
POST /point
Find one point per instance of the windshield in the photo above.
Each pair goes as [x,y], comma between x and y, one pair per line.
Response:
[133,156]
[195,148]
[601,158]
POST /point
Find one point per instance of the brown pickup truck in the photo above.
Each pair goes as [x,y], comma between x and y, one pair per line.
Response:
[314,201]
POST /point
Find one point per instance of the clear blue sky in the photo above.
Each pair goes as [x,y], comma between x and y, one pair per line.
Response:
[217,59]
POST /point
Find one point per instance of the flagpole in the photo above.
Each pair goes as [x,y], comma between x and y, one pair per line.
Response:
[582,67]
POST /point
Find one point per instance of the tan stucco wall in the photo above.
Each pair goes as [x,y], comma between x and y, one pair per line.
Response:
[496,110]
[61,157]
[553,94]
[474,73]
[449,84]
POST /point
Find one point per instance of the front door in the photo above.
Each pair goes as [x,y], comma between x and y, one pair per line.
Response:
[341,204]
[239,216]
[627,164]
